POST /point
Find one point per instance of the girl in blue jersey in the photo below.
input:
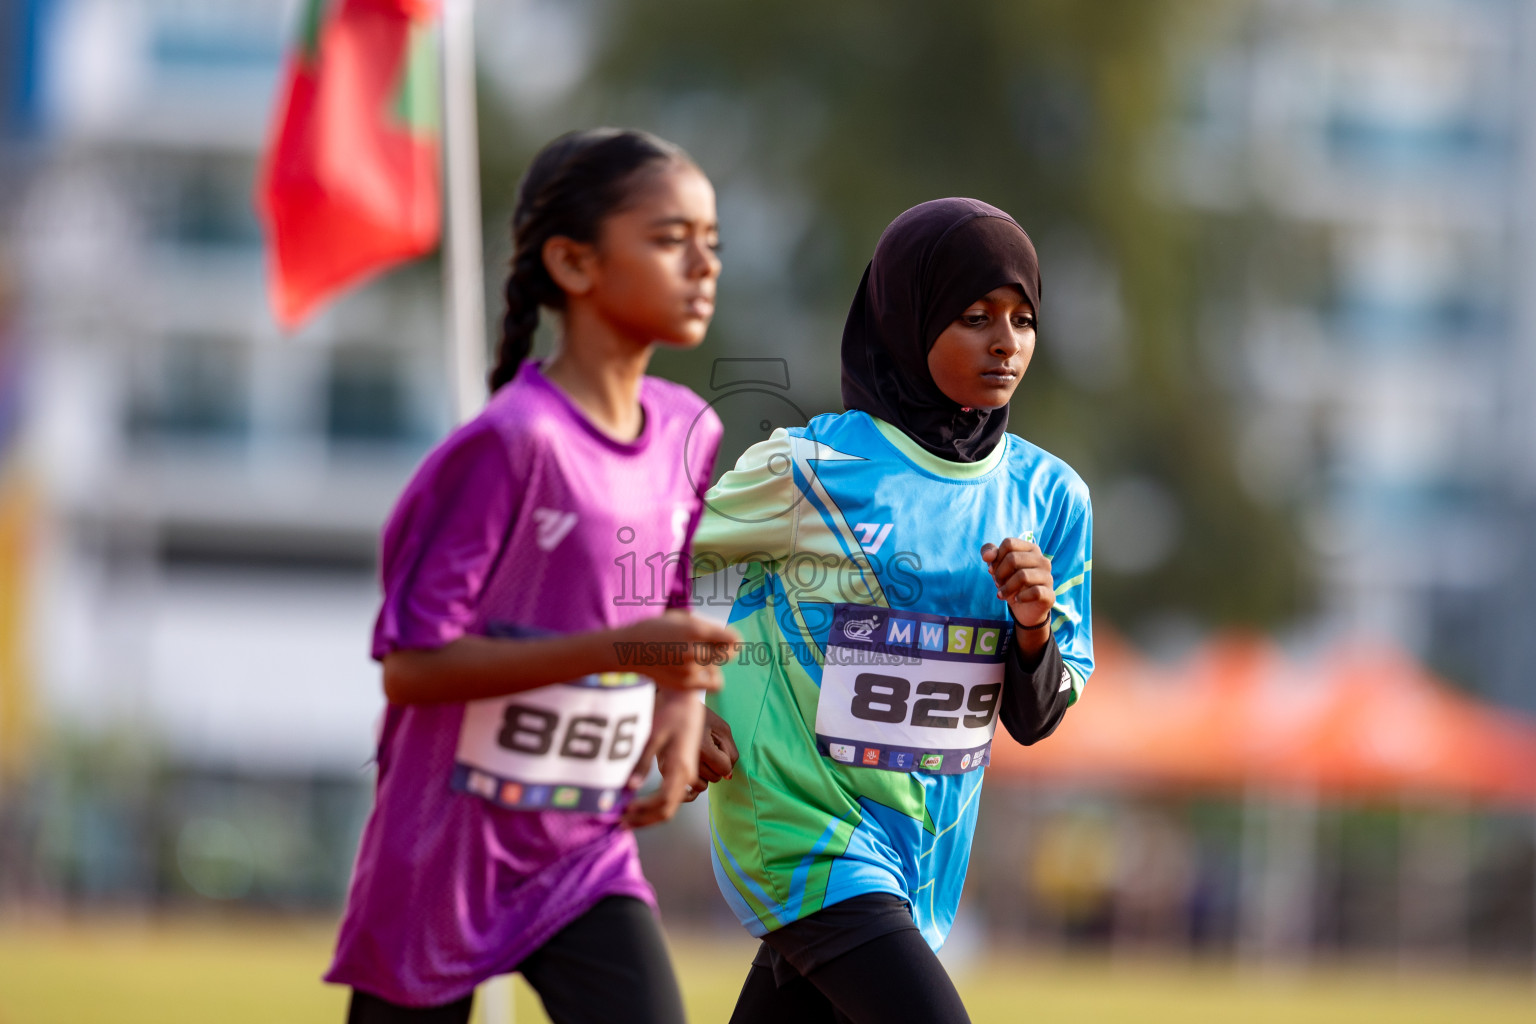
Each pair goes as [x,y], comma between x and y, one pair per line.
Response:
[913,574]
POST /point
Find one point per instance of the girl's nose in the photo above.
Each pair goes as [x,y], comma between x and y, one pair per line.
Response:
[704,263]
[1004,342]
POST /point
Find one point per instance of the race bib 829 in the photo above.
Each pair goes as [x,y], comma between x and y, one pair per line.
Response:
[905,691]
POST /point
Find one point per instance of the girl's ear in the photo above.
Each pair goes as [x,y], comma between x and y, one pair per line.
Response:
[570,264]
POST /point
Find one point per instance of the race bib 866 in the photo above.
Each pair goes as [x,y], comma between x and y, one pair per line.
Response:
[565,747]
[906,691]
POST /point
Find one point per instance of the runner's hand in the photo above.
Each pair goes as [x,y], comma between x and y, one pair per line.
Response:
[717,754]
[674,744]
[678,650]
[1022,574]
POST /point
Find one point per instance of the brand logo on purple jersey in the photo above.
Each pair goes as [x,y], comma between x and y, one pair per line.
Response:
[552,527]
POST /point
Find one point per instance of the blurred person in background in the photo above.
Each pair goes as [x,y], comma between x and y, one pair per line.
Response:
[513,741]
[879,543]
[1070,874]
[1154,880]
[17,529]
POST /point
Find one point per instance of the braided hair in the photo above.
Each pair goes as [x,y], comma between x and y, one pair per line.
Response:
[572,184]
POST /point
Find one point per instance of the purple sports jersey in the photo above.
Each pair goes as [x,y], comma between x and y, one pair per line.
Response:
[527,519]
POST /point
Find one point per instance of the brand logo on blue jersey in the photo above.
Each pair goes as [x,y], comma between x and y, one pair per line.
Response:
[874,535]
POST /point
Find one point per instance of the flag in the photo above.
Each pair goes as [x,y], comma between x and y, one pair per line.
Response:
[349,181]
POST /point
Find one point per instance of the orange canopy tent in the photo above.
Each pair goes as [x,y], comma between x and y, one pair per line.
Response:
[1360,721]
[1396,728]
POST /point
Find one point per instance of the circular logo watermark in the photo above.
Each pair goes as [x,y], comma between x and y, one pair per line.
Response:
[753,403]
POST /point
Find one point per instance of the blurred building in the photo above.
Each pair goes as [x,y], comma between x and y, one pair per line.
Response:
[213,490]
[1371,162]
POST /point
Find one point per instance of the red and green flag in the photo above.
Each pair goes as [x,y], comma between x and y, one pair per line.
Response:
[349,182]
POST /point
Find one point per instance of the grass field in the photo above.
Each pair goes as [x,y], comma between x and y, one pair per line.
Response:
[180,972]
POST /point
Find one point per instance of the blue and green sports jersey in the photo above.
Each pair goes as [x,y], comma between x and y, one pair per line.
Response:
[842,516]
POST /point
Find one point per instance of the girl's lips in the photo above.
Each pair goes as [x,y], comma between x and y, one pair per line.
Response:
[1001,374]
[701,307]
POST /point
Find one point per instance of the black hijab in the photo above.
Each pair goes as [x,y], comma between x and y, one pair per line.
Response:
[930,264]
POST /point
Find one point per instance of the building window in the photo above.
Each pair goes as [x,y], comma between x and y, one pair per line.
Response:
[369,399]
[192,387]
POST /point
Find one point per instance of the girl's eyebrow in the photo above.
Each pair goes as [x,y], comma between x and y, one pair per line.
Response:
[680,221]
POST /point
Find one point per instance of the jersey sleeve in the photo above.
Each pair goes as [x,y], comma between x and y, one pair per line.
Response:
[443,540]
[1071,555]
[703,467]
[749,513]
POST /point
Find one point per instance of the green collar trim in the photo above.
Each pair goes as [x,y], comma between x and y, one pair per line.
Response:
[929,462]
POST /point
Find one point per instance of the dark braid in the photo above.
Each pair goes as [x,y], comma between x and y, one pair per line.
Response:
[570,187]
[528,287]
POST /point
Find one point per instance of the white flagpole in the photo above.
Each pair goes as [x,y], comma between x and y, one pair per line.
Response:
[463,291]
[463,267]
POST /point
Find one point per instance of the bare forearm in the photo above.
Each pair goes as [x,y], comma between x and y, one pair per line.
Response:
[475,667]
[1032,641]
[678,651]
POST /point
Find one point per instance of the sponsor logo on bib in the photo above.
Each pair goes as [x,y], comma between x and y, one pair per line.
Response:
[872,755]
[860,629]
[482,784]
[842,752]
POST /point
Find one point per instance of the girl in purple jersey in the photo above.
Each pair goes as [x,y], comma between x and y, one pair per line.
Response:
[534,556]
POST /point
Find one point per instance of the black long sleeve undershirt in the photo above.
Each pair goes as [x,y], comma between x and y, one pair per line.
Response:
[1033,700]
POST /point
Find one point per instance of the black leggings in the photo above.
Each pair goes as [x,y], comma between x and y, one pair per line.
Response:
[894,977]
[609,966]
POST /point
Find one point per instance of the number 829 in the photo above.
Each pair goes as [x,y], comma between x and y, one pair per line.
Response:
[882,698]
